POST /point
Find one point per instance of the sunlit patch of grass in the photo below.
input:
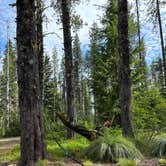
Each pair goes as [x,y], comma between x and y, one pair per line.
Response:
[126,162]
[88,163]
[162,161]
[41,163]
[12,155]
[74,147]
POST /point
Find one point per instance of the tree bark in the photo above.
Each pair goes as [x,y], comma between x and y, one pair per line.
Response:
[162,43]
[139,32]
[124,71]
[29,84]
[39,21]
[68,63]
[8,80]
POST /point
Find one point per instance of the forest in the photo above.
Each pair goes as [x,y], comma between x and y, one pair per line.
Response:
[94,103]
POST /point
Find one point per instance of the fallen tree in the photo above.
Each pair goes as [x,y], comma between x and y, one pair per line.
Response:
[89,134]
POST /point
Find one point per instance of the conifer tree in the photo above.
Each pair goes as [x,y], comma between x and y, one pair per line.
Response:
[77,63]
[9,100]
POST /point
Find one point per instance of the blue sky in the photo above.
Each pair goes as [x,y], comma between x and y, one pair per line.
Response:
[89,13]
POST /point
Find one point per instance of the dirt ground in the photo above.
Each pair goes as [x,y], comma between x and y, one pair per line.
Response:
[7,144]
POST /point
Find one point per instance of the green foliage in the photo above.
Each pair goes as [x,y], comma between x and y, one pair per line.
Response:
[75,147]
[9,119]
[111,148]
[144,141]
[157,74]
[51,95]
[149,109]
[12,155]
[162,161]
[125,162]
[159,147]
[103,59]
[54,129]
[88,163]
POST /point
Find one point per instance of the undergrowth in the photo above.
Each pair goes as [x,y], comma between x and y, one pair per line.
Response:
[112,147]
[74,146]
[125,162]
[159,147]
[12,155]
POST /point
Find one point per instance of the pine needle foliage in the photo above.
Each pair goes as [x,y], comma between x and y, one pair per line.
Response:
[112,147]
[159,147]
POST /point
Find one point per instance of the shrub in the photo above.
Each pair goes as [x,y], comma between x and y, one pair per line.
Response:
[144,141]
[159,147]
[111,148]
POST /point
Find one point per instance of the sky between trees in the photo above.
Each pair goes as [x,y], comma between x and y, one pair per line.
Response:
[90,12]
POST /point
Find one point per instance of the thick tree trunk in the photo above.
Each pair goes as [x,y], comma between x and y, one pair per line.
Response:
[124,71]
[68,63]
[29,84]
[162,43]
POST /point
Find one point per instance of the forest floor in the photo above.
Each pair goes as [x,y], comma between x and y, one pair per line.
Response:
[8,144]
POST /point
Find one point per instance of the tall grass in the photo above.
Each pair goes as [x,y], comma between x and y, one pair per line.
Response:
[112,147]
[159,147]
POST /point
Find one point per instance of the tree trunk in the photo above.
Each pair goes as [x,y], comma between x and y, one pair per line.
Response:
[29,84]
[8,80]
[139,33]
[162,43]
[124,71]
[39,39]
[68,63]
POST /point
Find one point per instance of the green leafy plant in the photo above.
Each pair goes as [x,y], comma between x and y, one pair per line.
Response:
[125,162]
[144,141]
[159,147]
[111,148]
[162,161]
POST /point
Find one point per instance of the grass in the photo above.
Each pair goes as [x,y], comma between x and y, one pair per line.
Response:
[112,147]
[41,163]
[159,147]
[11,156]
[125,162]
[75,147]
[162,161]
